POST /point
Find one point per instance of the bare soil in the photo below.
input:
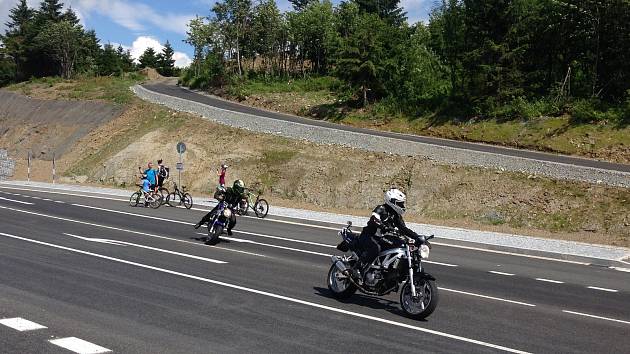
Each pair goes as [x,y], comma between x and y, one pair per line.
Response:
[337,179]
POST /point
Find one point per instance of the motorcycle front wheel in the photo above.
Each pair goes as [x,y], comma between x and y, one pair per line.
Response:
[425,302]
[213,234]
[339,285]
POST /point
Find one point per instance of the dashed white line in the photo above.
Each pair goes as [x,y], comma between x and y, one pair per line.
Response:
[627,270]
[60,202]
[550,281]
[280,297]
[36,197]
[125,230]
[500,273]
[598,317]
[20,324]
[80,346]
[603,289]
[274,246]
[487,297]
[16,201]
[47,200]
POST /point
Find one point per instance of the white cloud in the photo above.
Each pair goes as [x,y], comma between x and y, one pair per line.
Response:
[143,42]
[131,15]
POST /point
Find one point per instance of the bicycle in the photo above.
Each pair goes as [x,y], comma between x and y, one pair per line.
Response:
[164,193]
[179,197]
[259,206]
[154,200]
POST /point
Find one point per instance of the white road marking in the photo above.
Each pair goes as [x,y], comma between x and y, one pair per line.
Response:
[20,324]
[80,346]
[47,200]
[603,289]
[550,281]
[147,247]
[500,273]
[509,253]
[125,230]
[598,317]
[16,201]
[440,263]
[276,296]
[322,227]
[60,202]
[133,214]
[627,270]
[486,297]
[274,246]
[36,197]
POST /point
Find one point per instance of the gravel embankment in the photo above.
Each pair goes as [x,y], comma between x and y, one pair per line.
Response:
[447,155]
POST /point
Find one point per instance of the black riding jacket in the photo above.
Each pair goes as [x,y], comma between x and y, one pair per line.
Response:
[384,218]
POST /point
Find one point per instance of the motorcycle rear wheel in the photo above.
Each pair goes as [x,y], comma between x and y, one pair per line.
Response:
[213,234]
[339,284]
[422,305]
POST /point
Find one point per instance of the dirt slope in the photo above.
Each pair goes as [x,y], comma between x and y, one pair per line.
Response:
[47,126]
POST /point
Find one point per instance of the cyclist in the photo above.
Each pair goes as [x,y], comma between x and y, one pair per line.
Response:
[221,174]
[146,188]
[150,175]
[162,173]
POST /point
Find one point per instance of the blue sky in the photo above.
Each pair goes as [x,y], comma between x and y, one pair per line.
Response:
[138,24]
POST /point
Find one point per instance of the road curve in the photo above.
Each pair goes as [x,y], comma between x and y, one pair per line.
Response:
[183,93]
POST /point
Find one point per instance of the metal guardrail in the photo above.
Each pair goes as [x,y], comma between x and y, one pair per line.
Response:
[7,165]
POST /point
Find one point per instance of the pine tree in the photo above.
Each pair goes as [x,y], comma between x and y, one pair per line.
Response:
[148,59]
[50,10]
[18,37]
[70,16]
[165,62]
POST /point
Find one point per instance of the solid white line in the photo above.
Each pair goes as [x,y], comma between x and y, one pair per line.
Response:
[133,214]
[487,297]
[627,270]
[158,250]
[322,227]
[500,273]
[284,239]
[598,317]
[550,281]
[129,231]
[80,346]
[274,246]
[20,324]
[277,296]
[16,201]
[509,253]
[603,289]
[440,263]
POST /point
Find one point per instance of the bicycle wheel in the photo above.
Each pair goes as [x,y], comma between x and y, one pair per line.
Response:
[163,194]
[173,200]
[134,200]
[156,200]
[241,208]
[261,208]
[187,200]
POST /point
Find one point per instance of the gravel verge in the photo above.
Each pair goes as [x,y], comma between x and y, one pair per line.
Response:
[491,240]
[446,155]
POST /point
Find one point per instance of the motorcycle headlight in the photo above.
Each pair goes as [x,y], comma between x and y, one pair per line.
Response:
[424,251]
[227,213]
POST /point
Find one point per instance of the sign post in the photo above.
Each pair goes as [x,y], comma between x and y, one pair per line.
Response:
[28,169]
[181,148]
[53,168]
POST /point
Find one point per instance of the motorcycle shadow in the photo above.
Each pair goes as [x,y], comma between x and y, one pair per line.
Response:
[372,302]
[203,239]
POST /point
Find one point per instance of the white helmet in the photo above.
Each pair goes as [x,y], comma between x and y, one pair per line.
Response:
[396,200]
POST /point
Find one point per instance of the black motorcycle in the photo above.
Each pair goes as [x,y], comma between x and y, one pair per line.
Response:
[396,269]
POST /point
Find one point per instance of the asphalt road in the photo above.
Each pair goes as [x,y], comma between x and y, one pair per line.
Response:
[135,280]
[180,92]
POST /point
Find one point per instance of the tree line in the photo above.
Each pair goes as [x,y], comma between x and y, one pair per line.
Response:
[514,58]
[48,41]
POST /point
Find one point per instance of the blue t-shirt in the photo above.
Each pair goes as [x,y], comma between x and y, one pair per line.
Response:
[151,175]
[146,185]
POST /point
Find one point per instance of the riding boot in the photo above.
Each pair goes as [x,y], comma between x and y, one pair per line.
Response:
[198,225]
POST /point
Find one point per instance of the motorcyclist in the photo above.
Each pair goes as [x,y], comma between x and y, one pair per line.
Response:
[385,217]
[232,196]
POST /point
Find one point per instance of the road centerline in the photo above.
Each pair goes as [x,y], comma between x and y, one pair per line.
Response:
[16,201]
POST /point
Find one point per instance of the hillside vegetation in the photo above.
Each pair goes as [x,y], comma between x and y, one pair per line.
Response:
[330,178]
[542,74]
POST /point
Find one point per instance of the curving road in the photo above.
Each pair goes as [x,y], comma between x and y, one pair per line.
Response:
[175,91]
[85,271]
